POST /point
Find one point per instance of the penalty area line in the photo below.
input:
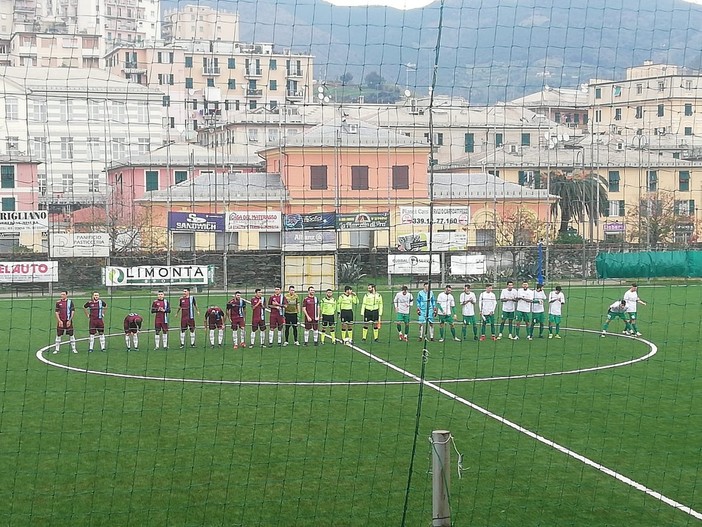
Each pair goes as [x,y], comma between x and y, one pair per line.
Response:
[541,439]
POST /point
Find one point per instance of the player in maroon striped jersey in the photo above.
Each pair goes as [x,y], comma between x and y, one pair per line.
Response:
[258,317]
[161,308]
[132,326]
[187,307]
[65,309]
[95,311]
[214,319]
[276,304]
[235,311]
[310,309]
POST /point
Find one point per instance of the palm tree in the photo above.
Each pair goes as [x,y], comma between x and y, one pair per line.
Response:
[579,197]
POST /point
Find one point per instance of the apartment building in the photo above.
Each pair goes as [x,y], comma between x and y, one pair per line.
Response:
[74,122]
[207,83]
[197,22]
[563,106]
[52,50]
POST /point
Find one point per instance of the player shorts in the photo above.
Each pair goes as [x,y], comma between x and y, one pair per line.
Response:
[523,316]
[328,320]
[554,319]
[258,324]
[611,315]
[469,319]
[508,315]
[445,319]
[346,316]
[64,330]
[291,319]
[161,326]
[218,324]
[311,324]
[489,319]
[96,326]
[238,323]
[131,327]
[423,318]
[403,317]
[632,315]
[277,321]
[187,323]
[371,315]
[537,318]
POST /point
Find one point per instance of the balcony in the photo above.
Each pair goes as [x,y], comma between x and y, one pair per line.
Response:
[295,95]
[253,72]
[210,70]
[132,66]
[254,92]
[294,72]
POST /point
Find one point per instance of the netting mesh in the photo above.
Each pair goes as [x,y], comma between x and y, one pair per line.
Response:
[256,253]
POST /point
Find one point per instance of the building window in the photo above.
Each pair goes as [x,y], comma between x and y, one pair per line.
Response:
[210,83]
[639,89]
[638,112]
[142,113]
[253,105]
[159,57]
[272,105]
[39,148]
[498,139]
[661,110]
[66,148]
[180,176]
[188,82]
[151,180]
[273,135]
[119,112]
[557,117]
[183,241]
[661,85]
[94,110]
[485,237]
[11,109]
[617,114]
[143,145]
[616,207]
[252,134]
[7,176]
[652,179]
[684,207]
[67,183]
[166,101]
[526,139]
[188,62]
[65,110]
[231,63]
[400,177]
[39,111]
[598,93]
[359,178]
[688,109]
[613,180]
[273,64]
[273,85]
[688,130]
[93,182]
[12,145]
[684,180]
[617,91]
[269,241]
[469,143]
[318,177]
[598,116]
[41,182]
[8,204]
[231,84]
[119,149]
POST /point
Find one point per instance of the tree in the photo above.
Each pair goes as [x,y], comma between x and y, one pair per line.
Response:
[656,219]
[579,195]
[346,78]
[374,80]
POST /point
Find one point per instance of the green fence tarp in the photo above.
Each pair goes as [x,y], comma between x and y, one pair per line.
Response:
[649,264]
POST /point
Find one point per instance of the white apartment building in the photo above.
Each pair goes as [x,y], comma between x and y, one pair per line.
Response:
[196,22]
[74,122]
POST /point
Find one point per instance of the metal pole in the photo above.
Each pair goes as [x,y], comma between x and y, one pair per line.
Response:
[441,478]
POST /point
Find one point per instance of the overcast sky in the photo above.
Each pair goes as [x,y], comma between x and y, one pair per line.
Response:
[397,4]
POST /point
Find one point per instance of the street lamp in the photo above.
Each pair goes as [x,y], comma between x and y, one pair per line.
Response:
[410,66]
[641,140]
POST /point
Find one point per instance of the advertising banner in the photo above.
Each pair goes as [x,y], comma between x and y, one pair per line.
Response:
[363,221]
[408,264]
[468,264]
[28,272]
[441,215]
[24,221]
[242,220]
[441,241]
[613,228]
[195,222]
[79,245]
[309,241]
[310,222]
[159,275]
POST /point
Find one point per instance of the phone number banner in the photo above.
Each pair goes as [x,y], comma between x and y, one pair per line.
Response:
[441,215]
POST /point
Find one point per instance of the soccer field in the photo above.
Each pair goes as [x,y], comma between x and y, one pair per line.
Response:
[578,431]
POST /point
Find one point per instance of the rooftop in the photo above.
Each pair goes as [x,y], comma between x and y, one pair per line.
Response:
[478,186]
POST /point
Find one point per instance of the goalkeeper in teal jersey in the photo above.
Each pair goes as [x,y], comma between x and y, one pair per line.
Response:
[616,310]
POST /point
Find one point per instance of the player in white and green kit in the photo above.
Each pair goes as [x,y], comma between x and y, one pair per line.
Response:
[631,297]
[468,301]
[327,308]
[487,303]
[508,297]
[537,311]
[402,303]
[556,299]
[445,304]
[525,300]
[616,310]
